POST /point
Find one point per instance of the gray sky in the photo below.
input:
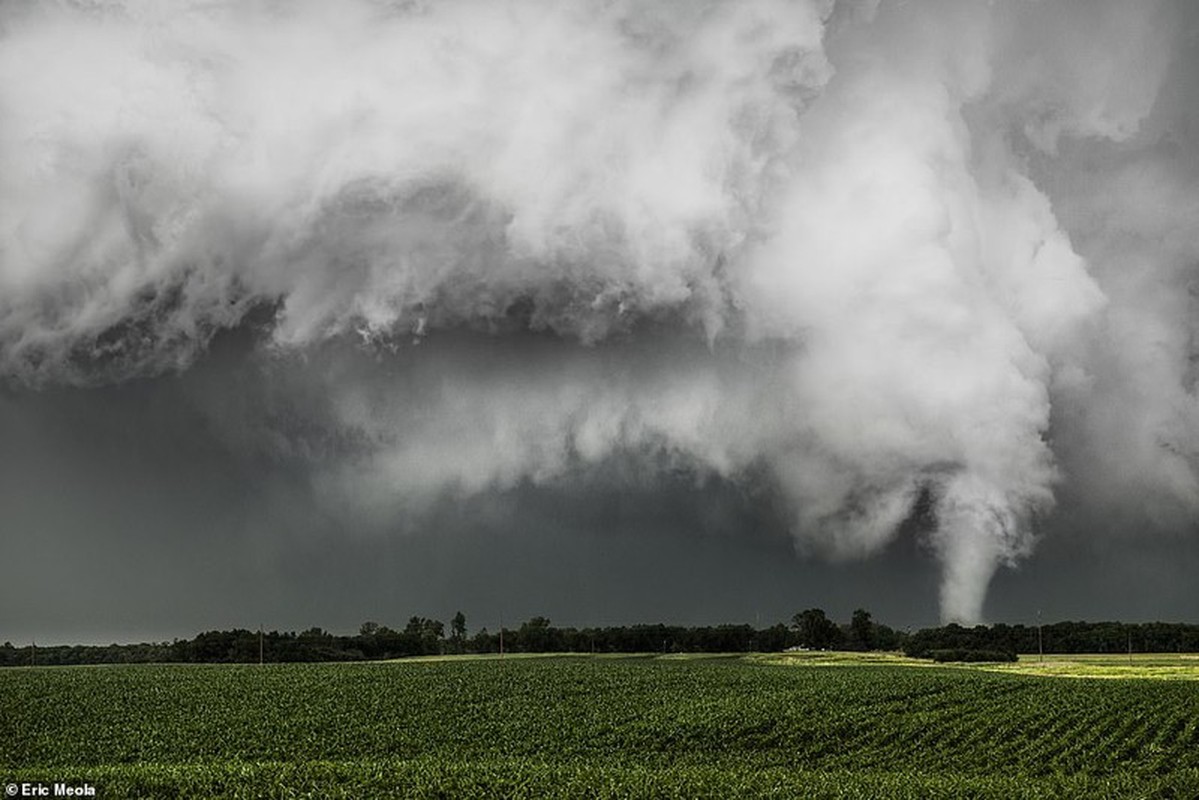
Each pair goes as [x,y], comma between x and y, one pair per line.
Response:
[127,517]
[691,312]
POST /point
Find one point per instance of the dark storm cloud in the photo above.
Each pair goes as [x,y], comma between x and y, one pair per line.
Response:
[284,287]
[129,519]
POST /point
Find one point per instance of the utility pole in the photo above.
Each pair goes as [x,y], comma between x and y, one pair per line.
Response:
[501,635]
[33,652]
[260,645]
[1130,647]
[1040,641]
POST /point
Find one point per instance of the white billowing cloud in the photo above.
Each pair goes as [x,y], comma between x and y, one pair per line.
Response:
[809,239]
[361,162]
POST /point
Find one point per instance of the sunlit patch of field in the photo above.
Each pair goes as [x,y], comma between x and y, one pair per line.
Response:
[1157,666]
[473,657]
[836,658]
[536,656]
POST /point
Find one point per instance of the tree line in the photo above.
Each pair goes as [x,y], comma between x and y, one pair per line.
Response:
[423,636]
[1056,638]
[810,629]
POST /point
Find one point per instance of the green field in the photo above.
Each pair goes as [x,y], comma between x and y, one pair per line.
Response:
[815,725]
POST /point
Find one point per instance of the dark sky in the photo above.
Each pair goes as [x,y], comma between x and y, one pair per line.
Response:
[127,518]
[685,312]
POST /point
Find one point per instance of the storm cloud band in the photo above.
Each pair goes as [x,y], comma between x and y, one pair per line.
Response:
[876,255]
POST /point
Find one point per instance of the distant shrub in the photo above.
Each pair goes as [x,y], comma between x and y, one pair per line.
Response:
[970,656]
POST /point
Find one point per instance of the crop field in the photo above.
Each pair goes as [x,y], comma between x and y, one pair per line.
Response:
[598,727]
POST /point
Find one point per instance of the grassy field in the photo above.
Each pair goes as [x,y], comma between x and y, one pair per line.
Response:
[874,726]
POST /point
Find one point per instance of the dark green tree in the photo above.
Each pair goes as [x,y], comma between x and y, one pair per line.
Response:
[861,630]
[815,630]
[423,636]
[534,635]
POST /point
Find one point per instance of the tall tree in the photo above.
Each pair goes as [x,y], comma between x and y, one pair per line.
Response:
[815,629]
[534,635]
[861,630]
